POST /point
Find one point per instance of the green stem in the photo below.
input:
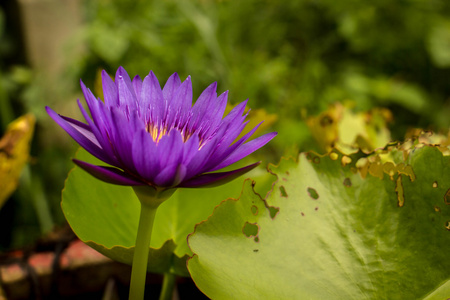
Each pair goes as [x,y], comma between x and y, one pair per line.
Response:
[140,257]
[168,286]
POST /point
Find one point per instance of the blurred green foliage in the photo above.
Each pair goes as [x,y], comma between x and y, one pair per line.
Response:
[291,58]
[286,57]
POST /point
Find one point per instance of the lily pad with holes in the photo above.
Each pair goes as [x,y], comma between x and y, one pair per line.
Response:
[105,217]
[333,229]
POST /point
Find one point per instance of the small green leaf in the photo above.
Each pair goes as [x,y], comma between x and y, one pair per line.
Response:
[105,217]
[336,235]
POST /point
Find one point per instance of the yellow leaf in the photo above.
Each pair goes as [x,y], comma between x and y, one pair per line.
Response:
[340,128]
[14,154]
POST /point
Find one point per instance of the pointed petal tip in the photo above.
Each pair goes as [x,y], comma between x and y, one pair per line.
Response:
[216,179]
[224,94]
[105,75]
[122,73]
[108,174]
[212,88]
[54,115]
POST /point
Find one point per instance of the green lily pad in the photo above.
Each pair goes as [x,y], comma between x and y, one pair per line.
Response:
[336,234]
[105,217]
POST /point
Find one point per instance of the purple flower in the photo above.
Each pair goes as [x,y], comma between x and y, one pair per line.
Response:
[156,137]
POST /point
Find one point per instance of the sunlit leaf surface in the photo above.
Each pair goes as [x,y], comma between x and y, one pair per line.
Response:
[326,232]
[105,216]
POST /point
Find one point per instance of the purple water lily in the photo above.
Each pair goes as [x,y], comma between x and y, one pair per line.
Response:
[153,136]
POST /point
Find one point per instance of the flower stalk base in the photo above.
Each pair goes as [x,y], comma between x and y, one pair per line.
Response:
[168,287]
[141,250]
[150,199]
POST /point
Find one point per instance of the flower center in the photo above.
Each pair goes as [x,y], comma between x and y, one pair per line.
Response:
[157,132]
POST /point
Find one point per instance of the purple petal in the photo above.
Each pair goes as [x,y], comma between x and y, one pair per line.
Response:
[166,177]
[215,117]
[171,176]
[179,105]
[80,132]
[200,158]
[152,99]
[102,140]
[122,135]
[222,152]
[230,128]
[108,174]
[171,86]
[145,156]
[87,93]
[246,149]
[225,136]
[235,113]
[216,179]
[170,149]
[180,175]
[127,96]
[190,149]
[137,85]
[100,124]
[202,105]
[110,94]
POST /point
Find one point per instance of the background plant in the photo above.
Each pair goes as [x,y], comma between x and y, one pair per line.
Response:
[292,59]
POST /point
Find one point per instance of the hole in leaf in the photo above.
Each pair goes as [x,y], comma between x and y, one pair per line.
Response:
[347,182]
[251,230]
[273,211]
[399,191]
[437,209]
[447,225]
[254,209]
[447,197]
[435,184]
[389,168]
[283,191]
[313,193]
